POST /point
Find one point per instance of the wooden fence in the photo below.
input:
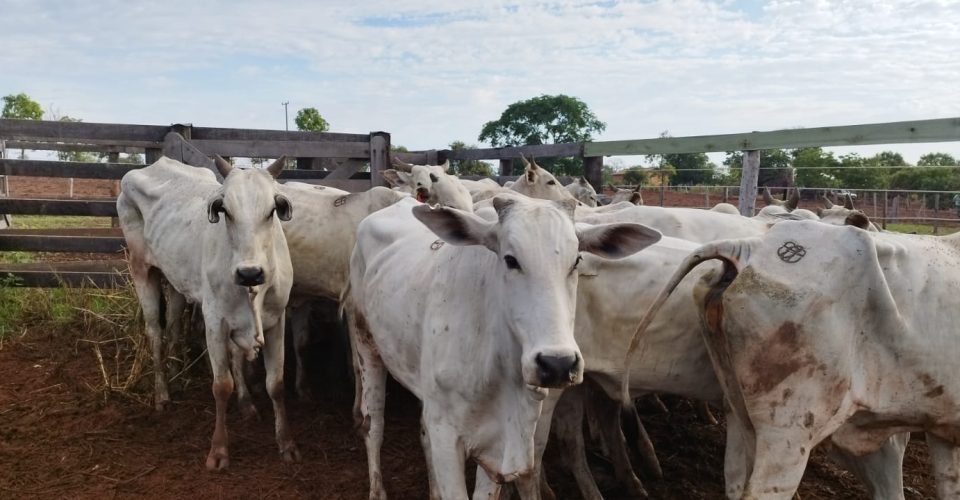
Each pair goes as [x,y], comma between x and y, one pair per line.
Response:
[349,154]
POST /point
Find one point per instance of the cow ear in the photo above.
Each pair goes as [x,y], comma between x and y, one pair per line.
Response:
[531,175]
[614,241]
[396,177]
[214,208]
[283,206]
[636,198]
[458,227]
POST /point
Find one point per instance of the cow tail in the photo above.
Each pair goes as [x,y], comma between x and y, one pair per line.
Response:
[732,251]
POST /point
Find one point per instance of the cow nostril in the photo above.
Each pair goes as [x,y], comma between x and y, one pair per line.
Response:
[556,370]
[250,276]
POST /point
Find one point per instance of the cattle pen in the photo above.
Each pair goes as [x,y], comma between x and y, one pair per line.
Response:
[344,156]
[66,432]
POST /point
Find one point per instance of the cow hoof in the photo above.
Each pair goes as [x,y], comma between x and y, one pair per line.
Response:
[290,453]
[217,460]
[249,412]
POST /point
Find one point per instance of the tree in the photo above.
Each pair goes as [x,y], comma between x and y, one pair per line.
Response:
[689,168]
[468,167]
[635,176]
[21,107]
[776,169]
[814,168]
[547,119]
[936,160]
[309,119]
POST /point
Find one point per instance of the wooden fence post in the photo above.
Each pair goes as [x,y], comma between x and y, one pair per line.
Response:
[506,166]
[749,175]
[663,188]
[593,171]
[936,212]
[3,178]
[379,157]
[884,220]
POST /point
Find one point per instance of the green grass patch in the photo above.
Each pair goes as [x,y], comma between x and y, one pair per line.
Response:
[58,221]
[921,229]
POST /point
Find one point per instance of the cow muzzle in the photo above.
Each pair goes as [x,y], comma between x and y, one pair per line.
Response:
[558,370]
[422,194]
[250,276]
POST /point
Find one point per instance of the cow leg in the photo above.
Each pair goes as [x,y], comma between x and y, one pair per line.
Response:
[176,303]
[244,401]
[780,460]
[372,380]
[218,459]
[431,476]
[146,281]
[881,471]
[273,363]
[612,434]
[484,488]
[738,456]
[945,458]
[568,429]
[447,459]
[300,323]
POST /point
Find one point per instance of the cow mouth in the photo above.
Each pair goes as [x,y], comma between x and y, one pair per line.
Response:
[421,195]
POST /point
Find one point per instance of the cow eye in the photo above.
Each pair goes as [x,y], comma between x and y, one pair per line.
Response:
[552,183]
[511,262]
[434,178]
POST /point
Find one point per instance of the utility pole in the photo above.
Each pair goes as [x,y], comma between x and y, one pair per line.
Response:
[286,118]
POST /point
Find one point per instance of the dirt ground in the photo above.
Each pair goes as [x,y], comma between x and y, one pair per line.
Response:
[63,435]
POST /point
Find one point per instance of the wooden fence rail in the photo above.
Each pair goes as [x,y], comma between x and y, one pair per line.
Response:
[195,145]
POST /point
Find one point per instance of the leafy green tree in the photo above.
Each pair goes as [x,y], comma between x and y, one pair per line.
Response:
[547,119]
[309,119]
[775,168]
[468,167]
[814,168]
[21,107]
[688,168]
[936,160]
[635,176]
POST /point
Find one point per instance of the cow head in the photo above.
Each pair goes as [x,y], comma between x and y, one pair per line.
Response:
[535,278]
[583,191]
[631,195]
[250,208]
[429,184]
[538,183]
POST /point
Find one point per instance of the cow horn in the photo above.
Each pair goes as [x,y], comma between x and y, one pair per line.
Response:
[276,167]
[446,166]
[794,201]
[769,199]
[636,189]
[826,201]
[223,166]
[401,165]
[526,164]
[848,201]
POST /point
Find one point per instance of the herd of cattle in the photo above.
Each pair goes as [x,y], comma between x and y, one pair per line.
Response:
[492,304]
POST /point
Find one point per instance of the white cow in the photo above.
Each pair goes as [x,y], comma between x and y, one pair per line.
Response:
[321,238]
[632,195]
[430,184]
[611,297]
[475,318]
[801,359]
[222,247]
[538,183]
[584,192]
[844,215]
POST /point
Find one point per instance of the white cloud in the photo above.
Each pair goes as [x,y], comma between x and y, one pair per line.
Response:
[433,72]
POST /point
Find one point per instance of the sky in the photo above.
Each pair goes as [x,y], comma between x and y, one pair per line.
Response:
[432,72]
